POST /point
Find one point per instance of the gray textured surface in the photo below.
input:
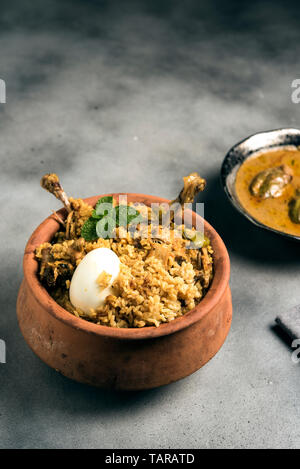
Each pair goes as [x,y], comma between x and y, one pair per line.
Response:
[289,321]
[131,97]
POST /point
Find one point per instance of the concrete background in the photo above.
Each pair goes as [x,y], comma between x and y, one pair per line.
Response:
[131,96]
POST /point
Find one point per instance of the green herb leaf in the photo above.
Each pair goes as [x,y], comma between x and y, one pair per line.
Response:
[105,218]
[105,210]
[125,214]
[104,200]
[88,230]
[133,214]
[95,216]
[105,227]
[121,215]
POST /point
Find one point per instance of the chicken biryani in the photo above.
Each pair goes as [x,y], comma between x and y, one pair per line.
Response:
[135,272]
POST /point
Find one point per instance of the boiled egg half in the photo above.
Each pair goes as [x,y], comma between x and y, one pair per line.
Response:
[93,278]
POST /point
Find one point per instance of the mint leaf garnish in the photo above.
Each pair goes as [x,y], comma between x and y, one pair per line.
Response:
[105,218]
[105,227]
[121,215]
[95,216]
[88,230]
[133,214]
[125,214]
[104,200]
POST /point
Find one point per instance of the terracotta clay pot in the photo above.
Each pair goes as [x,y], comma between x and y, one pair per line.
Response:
[128,359]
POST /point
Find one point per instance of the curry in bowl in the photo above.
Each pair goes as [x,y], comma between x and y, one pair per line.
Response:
[267,186]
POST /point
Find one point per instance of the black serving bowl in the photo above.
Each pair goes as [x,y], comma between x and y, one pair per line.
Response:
[245,149]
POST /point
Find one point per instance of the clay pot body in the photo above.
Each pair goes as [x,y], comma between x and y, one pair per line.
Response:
[127,359]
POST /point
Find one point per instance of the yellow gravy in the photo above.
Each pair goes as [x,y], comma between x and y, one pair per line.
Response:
[272,212]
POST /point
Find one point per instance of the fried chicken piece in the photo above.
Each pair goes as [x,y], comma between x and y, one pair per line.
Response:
[58,261]
[192,185]
[271,182]
[50,182]
[78,211]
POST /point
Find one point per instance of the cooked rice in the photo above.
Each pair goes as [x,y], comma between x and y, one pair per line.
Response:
[160,279]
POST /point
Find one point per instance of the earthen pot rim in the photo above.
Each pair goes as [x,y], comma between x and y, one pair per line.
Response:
[44,233]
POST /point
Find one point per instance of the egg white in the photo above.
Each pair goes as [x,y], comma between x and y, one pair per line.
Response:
[85,292]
